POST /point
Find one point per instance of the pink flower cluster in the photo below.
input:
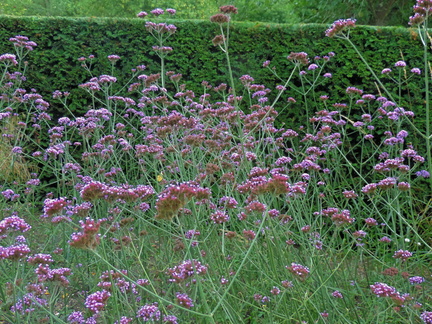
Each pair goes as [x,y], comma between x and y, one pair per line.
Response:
[97,301]
[185,270]
[13,223]
[175,197]
[98,190]
[340,26]
[88,238]
[44,273]
[300,271]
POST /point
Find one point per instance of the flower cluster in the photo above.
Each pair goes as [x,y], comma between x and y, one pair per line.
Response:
[13,223]
[422,10]
[97,301]
[88,238]
[339,26]
[175,197]
[301,272]
[44,273]
[186,270]
[149,312]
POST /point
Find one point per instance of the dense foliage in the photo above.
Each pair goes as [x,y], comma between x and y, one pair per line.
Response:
[63,40]
[368,12]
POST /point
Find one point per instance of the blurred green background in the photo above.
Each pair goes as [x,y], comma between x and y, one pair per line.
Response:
[367,12]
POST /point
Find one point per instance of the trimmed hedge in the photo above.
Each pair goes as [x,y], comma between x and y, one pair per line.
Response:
[54,66]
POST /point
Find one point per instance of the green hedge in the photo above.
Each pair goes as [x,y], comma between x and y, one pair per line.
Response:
[54,66]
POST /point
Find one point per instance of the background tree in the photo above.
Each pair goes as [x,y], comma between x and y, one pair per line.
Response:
[367,12]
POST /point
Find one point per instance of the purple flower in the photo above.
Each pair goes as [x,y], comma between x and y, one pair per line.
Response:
[76,318]
[400,64]
[27,304]
[312,67]
[386,71]
[17,150]
[113,58]
[354,90]
[142,14]
[186,270]
[8,59]
[298,58]
[402,254]
[23,41]
[10,194]
[339,26]
[416,71]
[337,294]
[423,174]
[416,280]
[299,270]
[124,320]
[371,221]
[149,312]
[97,301]
[13,223]
[171,11]
[383,290]
[14,252]
[426,317]
[40,258]
[219,217]
[170,319]
[385,239]
[157,12]
[184,300]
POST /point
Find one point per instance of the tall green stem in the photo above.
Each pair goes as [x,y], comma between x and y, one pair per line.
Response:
[426,82]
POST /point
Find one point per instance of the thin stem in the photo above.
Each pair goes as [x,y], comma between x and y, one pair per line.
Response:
[426,82]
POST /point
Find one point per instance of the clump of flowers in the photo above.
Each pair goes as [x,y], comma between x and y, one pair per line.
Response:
[97,301]
[89,237]
[186,270]
[299,271]
[339,26]
[174,197]
[149,312]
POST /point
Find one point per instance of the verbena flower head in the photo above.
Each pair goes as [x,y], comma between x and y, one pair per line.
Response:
[383,290]
[229,9]
[426,317]
[402,254]
[400,64]
[416,280]
[340,26]
[337,294]
[298,58]
[157,12]
[185,270]
[184,300]
[220,18]
[96,302]
[300,271]
[422,9]
[218,40]
[8,59]
[23,41]
[13,223]
[113,58]
[149,312]
[416,71]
